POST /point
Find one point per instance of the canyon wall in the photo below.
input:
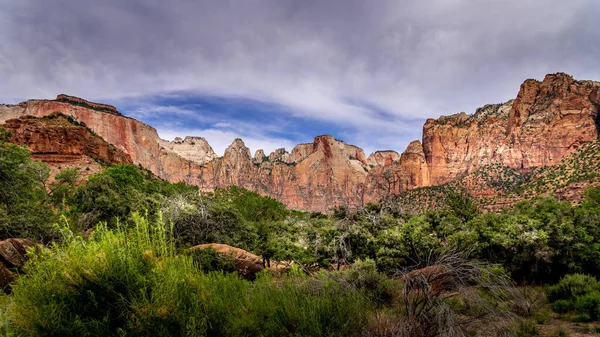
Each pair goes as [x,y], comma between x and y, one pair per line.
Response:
[62,143]
[547,121]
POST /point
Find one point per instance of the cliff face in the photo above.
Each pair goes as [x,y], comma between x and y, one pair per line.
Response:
[547,121]
[195,149]
[327,173]
[61,143]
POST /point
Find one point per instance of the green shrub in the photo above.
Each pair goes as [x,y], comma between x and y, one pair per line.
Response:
[527,329]
[560,333]
[563,306]
[132,282]
[572,286]
[363,276]
[588,306]
[210,260]
[118,282]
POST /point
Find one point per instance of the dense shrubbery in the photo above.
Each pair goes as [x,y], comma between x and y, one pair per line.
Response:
[23,198]
[538,241]
[579,293]
[129,277]
[132,282]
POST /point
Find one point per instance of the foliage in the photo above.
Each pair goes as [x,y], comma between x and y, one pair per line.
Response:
[117,192]
[23,209]
[197,220]
[63,187]
[210,260]
[588,306]
[572,286]
[406,245]
[131,282]
[363,275]
[576,292]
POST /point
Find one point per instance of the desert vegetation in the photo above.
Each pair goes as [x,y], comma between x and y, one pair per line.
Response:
[116,261]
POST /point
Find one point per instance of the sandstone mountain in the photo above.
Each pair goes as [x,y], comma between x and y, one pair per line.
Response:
[62,142]
[548,121]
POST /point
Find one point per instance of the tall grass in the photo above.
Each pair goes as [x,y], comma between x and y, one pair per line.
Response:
[132,282]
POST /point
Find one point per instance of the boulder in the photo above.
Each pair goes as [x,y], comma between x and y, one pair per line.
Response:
[13,255]
[246,264]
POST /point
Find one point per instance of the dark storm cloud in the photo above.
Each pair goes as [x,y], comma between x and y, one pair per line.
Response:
[377,66]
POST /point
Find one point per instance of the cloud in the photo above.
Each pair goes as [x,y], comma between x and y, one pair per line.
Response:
[375,69]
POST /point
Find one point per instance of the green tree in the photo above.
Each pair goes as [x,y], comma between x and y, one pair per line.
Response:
[63,187]
[23,208]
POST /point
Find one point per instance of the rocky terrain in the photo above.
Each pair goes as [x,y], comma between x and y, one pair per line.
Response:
[62,142]
[13,255]
[545,123]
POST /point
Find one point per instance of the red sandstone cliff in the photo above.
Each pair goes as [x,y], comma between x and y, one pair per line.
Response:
[61,143]
[547,121]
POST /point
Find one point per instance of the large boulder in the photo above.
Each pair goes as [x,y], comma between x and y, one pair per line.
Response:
[246,264]
[13,255]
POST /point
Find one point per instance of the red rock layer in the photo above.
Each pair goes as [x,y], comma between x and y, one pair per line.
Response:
[61,144]
[547,121]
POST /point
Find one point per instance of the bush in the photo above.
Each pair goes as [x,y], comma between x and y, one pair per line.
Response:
[527,329]
[132,282]
[571,286]
[560,333]
[363,275]
[563,306]
[588,306]
[210,260]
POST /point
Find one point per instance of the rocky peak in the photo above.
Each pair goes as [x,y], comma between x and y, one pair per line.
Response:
[281,155]
[414,163]
[195,149]
[259,156]
[354,153]
[383,158]
[301,151]
[238,149]
[414,147]
[556,96]
[324,144]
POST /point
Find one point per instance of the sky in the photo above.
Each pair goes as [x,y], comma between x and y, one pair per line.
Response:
[280,72]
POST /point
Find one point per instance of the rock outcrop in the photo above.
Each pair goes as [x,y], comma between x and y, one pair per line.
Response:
[246,264]
[195,149]
[62,143]
[13,255]
[383,158]
[82,102]
[546,122]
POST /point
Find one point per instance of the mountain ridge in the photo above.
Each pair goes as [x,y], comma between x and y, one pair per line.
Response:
[547,121]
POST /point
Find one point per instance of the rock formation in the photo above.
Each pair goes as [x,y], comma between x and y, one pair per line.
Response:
[547,121]
[195,149]
[62,143]
[383,158]
[13,255]
[246,264]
